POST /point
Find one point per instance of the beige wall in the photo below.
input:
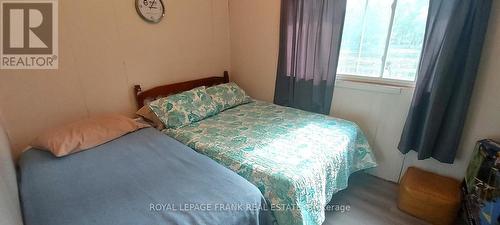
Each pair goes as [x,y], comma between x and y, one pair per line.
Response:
[105,48]
[380,111]
[254,45]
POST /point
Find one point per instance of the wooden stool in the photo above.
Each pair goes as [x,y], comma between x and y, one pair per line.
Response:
[428,196]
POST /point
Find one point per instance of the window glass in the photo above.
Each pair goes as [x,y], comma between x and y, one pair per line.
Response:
[383,38]
[407,36]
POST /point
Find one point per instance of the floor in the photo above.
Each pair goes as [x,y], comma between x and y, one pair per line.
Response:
[372,201]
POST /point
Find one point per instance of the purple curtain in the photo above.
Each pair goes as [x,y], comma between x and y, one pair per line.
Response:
[450,57]
[310,36]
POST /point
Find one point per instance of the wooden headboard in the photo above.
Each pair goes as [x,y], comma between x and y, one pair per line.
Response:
[142,97]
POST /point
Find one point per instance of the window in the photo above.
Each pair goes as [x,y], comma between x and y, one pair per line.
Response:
[382,39]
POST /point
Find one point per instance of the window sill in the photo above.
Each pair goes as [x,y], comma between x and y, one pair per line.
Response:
[379,85]
[376,80]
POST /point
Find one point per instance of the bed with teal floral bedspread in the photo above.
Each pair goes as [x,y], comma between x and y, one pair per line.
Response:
[297,159]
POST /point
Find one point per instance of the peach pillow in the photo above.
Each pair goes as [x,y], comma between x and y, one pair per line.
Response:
[85,134]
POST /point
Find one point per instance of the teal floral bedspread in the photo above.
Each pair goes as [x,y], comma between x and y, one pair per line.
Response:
[297,159]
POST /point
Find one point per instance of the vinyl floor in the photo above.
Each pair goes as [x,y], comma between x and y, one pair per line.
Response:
[372,201]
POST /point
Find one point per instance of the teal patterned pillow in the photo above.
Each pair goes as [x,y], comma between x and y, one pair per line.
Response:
[185,108]
[228,95]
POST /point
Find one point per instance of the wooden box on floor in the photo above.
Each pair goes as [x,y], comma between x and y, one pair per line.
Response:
[428,196]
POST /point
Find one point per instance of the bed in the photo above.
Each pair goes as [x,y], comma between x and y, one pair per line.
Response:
[140,178]
[297,159]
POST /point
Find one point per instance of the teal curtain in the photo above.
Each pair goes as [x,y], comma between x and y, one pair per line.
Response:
[450,57]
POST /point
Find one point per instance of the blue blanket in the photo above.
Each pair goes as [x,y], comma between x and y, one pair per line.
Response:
[141,178]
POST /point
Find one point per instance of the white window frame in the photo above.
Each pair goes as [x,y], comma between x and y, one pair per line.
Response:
[379,79]
[376,80]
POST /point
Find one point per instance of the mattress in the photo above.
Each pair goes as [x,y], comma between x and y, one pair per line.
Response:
[140,178]
[297,159]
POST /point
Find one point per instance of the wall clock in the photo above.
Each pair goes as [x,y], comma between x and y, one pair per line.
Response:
[150,10]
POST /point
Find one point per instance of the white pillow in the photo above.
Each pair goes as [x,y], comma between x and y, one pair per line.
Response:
[147,114]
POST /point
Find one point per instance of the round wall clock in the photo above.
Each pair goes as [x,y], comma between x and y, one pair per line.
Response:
[150,10]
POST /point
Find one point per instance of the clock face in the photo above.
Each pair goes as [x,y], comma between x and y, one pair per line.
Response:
[150,10]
